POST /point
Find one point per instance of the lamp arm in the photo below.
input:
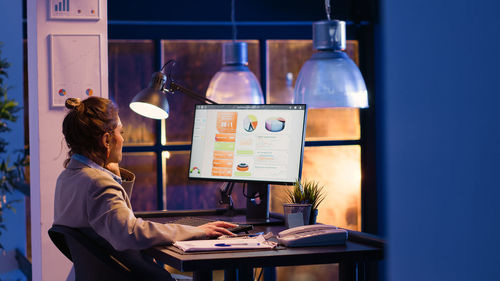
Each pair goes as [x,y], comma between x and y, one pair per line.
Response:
[192,94]
[171,86]
[170,61]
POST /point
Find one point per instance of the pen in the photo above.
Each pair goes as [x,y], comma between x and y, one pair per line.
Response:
[236,244]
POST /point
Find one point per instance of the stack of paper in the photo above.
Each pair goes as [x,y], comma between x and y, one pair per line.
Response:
[258,242]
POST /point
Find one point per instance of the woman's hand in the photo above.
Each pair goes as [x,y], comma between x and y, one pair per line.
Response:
[114,168]
[217,228]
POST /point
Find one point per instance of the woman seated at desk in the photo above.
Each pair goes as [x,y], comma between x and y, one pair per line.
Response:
[93,192]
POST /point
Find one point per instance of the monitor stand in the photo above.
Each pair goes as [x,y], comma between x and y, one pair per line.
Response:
[225,198]
[257,202]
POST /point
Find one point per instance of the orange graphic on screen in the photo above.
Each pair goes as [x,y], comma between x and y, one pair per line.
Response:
[222,162]
[221,172]
[225,137]
[226,122]
[242,167]
[223,154]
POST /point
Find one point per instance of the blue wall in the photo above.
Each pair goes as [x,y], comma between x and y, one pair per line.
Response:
[12,36]
[440,137]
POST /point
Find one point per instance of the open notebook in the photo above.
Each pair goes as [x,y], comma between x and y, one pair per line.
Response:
[230,244]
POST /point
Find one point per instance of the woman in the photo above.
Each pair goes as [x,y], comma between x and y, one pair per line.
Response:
[94,192]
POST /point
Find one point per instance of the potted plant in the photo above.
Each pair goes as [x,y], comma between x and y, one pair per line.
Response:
[307,192]
[11,174]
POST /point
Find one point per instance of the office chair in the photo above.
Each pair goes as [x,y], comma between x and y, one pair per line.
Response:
[96,260]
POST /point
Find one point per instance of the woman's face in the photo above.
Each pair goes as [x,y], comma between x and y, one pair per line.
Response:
[115,155]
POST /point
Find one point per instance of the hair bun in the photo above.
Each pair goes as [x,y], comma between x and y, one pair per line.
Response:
[72,103]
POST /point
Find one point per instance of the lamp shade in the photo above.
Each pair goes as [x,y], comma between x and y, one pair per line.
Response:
[235,83]
[330,78]
[152,102]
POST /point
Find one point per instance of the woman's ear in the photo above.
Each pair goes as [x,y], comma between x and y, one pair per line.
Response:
[106,140]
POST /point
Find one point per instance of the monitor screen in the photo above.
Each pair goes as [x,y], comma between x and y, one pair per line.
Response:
[235,142]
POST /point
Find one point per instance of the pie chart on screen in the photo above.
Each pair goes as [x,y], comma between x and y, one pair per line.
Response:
[275,124]
[242,167]
[250,123]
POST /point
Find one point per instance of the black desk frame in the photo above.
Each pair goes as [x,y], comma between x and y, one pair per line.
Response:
[239,265]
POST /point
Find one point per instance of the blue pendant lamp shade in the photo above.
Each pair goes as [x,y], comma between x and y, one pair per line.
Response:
[330,78]
[235,83]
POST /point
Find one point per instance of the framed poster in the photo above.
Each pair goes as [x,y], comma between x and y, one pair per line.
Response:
[74,9]
[75,65]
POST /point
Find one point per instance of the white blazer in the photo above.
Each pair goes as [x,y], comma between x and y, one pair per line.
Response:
[90,198]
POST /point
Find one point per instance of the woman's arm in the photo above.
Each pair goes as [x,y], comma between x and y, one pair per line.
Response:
[110,216]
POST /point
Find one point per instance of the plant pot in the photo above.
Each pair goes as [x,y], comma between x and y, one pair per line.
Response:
[296,214]
[314,215]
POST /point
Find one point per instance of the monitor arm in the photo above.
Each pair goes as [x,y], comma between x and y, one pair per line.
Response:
[225,197]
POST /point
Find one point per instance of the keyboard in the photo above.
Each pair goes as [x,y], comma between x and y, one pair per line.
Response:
[195,221]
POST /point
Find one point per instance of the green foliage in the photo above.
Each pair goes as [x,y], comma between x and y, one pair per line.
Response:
[4,64]
[11,174]
[8,108]
[306,192]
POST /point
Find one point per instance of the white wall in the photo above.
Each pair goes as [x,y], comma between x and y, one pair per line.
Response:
[440,130]
[12,37]
[47,149]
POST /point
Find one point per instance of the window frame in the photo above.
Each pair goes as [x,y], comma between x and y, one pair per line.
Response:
[262,31]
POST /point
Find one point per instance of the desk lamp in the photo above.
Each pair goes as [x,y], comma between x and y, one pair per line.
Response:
[330,78]
[152,102]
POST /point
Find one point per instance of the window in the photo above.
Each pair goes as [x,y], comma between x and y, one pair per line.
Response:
[335,165]
[159,153]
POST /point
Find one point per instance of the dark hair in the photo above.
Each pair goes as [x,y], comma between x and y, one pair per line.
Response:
[85,124]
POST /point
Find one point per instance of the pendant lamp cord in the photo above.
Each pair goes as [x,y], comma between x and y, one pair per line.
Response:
[233,21]
[327,8]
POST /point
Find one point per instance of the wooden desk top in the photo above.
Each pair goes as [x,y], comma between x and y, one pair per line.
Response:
[351,252]
[359,247]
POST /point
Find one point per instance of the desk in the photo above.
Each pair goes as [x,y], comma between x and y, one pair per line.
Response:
[238,265]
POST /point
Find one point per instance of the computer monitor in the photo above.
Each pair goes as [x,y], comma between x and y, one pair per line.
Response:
[255,144]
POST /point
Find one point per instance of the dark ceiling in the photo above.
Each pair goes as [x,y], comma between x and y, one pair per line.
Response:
[246,10]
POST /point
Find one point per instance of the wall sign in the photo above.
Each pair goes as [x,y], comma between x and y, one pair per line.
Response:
[74,9]
[75,62]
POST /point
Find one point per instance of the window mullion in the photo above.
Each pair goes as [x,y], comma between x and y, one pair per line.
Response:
[158,131]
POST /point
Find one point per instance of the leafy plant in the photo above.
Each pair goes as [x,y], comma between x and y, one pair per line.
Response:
[306,192]
[11,175]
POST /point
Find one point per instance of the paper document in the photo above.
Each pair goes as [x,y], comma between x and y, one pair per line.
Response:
[258,242]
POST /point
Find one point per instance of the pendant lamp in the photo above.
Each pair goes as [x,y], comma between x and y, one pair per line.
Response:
[330,78]
[235,83]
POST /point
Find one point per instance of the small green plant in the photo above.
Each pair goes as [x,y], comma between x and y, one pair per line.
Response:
[306,192]
[11,175]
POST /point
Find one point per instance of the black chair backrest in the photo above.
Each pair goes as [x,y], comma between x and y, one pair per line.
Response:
[95,259]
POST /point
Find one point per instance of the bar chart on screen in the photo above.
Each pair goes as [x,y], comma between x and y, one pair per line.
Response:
[74,9]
